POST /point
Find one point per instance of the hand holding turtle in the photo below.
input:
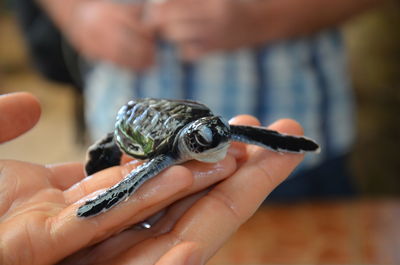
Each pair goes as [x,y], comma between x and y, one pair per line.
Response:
[192,229]
[38,203]
[38,211]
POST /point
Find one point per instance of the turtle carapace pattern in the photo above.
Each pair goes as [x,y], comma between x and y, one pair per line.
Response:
[167,132]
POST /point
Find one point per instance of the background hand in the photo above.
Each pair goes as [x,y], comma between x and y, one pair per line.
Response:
[198,27]
[105,30]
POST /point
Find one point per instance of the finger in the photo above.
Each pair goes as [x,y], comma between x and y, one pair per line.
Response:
[101,180]
[124,46]
[123,247]
[194,40]
[159,192]
[180,254]
[185,32]
[137,25]
[19,112]
[128,159]
[179,19]
[139,56]
[179,10]
[129,41]
[185,14]
[17,184]
[154,242]
[65,175]
[245,119]
[204,174]
[128,14]
[234,200]
[237,149]
[259,175]
[88,231]
[136,46]
[112,248]
[191,50]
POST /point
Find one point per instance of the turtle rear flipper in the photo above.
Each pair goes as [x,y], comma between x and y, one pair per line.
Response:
[273,140]
[103,154]
[119,192]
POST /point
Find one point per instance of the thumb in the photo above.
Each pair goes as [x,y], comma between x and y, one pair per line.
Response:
[19,112]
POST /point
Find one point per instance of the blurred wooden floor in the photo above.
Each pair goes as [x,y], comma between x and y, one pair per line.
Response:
[342,232]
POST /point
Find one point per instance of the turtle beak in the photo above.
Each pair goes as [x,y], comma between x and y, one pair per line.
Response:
[214,155]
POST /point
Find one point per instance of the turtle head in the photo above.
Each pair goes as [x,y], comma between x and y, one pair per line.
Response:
[206,139]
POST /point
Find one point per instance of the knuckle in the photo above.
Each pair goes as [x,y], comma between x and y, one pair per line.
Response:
[223,201]
[261,169]
[175,237]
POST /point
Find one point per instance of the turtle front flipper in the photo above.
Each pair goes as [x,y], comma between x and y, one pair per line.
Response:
[103,154]
[126,187]
[273,140]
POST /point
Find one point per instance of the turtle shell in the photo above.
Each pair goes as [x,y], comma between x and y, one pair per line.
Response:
[148,127]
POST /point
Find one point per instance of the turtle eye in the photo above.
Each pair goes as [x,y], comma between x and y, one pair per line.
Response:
[204,136]
[133,147]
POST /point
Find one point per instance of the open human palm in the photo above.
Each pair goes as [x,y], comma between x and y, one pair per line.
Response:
[192,208]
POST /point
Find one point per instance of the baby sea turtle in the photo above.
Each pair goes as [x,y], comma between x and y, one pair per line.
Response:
[168,132]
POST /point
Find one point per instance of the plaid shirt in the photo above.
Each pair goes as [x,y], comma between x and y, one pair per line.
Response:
[303,79]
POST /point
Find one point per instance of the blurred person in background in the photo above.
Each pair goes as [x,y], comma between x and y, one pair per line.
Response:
[271,59]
